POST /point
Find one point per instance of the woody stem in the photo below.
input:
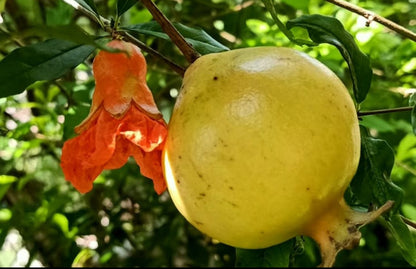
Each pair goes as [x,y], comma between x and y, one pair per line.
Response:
[383,111]
[370,16]
[187,50]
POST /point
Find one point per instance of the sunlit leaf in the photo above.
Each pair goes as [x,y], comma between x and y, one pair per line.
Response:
[5,214]
[326,29]
[5,183]
[2,5]
[62,222]
[83,257]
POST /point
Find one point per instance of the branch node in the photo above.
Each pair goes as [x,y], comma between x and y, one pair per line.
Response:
[370,18]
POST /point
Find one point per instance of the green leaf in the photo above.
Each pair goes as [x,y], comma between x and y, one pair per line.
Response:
[90,6]
[412,99]
[5,214]
[275,256]
[2,5]
[298,4]
[46,60]
[5,183]
[74,117]
[82,257]
[124,5]
[371,184]
[413,119]
[326,29]
[404,238]
[269,4]
[412,102]
[70,32]
[198,38]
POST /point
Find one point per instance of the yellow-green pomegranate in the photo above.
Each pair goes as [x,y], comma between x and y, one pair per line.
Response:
[261,145]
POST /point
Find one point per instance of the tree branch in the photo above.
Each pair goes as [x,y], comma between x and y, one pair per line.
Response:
[383,111]
[187,50]
[409,222]
[371,16]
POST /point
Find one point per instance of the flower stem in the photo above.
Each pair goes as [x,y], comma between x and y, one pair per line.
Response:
[383,111]
[370,16]
[187,50]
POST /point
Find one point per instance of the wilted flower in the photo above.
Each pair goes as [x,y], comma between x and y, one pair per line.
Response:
[123,121]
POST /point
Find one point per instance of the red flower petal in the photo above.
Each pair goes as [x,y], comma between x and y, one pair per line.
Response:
[143,131]
[123,121]
[121,154]
[149,162]
[77,152]
[105,128]
[121,78]
[151,167]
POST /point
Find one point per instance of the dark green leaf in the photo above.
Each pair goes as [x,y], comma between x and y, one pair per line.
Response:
[124,5]
[403,237]
[412,99]
[325,29]
[198,38]
[72,33]
[299,4]
[412,102]
[73,118]
[372,184]
[90,6]
[275,256]
[413,119]
[46,60]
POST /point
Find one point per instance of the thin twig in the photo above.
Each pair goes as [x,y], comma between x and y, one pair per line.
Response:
[187,50]
[383,111]
[105,24]
[406,167]
[409,222]
[371,16]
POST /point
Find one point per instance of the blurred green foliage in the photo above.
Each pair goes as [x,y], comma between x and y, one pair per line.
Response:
[122,221]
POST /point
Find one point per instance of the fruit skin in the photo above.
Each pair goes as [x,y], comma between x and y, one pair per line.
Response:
[262,142]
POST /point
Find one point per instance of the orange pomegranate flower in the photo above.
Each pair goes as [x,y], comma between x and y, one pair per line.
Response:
[123,121]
